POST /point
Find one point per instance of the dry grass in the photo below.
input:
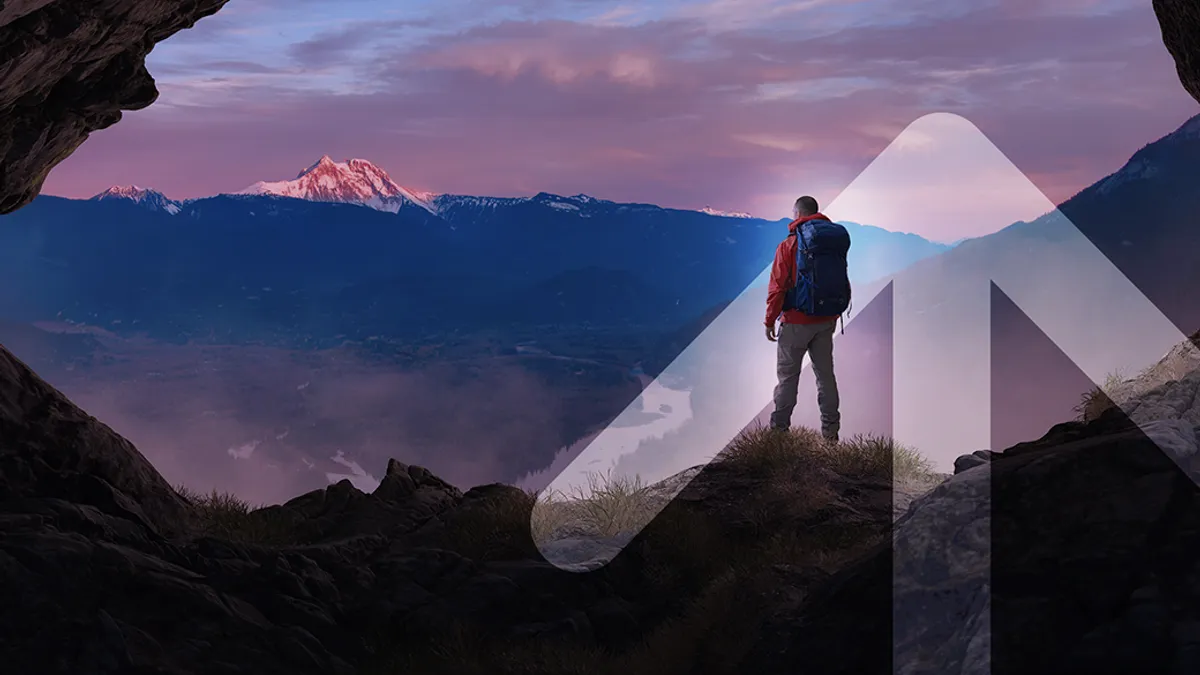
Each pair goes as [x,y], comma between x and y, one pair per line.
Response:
[878,456]
[772,503]
[497,527]
[773,498]
[1095,402]
[760,449]
[784,468]
[859,456]
[508,524]
[223,515]
[548,515]
[611,505]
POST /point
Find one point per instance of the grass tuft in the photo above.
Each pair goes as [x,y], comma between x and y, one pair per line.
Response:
[612,505]
[497,526]
[1095,402]
[866,455]
[224,515]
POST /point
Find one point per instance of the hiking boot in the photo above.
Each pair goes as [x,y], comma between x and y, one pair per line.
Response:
[831,439]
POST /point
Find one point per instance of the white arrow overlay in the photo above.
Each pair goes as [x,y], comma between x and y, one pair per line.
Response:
[941,323]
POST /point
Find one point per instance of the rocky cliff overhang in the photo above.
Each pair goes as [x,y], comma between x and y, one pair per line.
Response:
[1180,23]
[68,68]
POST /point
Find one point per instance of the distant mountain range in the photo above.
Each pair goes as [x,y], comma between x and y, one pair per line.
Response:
[354,181]
[343,252]
[151,199]
[597,285]
[1143,217]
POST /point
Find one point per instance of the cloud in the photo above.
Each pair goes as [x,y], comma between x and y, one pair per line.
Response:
[740,104]
[784,143]
[559,52]
[742,15]
[332,47]
[665,109]
[621,15]
[240,420]
[358,476]
[210,67]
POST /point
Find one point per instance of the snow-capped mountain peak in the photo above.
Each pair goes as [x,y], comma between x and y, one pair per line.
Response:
[355,181]
[725,214]
[152,199]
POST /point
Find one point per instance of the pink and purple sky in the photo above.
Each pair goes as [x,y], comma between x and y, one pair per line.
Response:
[736,104]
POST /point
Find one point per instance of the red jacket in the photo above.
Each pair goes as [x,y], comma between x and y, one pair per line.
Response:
[783,278]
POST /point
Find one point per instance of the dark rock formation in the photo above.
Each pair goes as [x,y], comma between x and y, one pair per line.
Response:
[49,446]
[1075,553]
[99,574]
[105,568]
[68,68]
[1180,23]
[407,497]
[972,460]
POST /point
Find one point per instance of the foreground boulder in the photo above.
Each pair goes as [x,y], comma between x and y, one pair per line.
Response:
[49,446]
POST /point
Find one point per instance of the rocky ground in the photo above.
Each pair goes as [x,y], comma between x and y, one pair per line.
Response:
[1074,553]
[106,568]
[1143,397]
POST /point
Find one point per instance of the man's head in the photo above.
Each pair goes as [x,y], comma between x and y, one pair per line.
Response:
[805,206]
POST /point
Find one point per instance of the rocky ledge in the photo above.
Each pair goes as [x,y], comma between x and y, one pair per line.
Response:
[105,567]
[1079,552]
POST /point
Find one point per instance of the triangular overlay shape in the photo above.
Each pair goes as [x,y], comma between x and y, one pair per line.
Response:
[940,167]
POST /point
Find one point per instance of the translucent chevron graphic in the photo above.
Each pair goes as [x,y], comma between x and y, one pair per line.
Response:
[941,323]
[941,337]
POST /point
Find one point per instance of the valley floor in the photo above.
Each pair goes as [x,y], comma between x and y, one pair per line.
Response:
[268,423]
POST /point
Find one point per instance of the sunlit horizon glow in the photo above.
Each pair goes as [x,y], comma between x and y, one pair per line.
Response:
[687,104]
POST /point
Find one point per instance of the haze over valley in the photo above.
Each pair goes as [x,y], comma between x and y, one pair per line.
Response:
[305,330]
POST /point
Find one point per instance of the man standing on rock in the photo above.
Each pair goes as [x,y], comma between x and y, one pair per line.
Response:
[810,288]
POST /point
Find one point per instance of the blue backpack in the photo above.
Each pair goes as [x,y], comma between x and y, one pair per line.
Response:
[822,277]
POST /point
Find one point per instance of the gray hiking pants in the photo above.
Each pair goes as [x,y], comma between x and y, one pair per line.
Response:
[816,340]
